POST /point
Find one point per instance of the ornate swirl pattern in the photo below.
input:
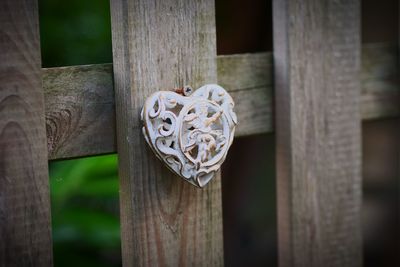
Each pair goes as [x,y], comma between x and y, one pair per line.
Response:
[191,134]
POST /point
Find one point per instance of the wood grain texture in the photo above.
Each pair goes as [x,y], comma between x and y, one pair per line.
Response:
[317,65]
[161,45]
[25,231]
[245,71]
[80,99]
[247,77]
[80,115]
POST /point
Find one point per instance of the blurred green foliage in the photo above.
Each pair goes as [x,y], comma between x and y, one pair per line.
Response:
[84,192]
[85,215]
[75,32]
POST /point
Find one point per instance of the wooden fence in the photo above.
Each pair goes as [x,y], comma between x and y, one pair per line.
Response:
[324,83]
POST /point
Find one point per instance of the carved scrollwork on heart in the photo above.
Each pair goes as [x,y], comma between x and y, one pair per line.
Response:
[190,133]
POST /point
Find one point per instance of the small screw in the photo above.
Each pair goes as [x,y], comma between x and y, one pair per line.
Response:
[185,91]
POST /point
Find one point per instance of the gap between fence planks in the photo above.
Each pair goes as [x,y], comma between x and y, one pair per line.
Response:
[80,99]
[25,227]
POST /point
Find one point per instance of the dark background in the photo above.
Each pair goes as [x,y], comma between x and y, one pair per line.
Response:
[85,191]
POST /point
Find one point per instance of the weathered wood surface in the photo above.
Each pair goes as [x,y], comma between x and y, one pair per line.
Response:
[318,132]
[164,220]
[25,233]
[245,71]
[80,100]
[80,115]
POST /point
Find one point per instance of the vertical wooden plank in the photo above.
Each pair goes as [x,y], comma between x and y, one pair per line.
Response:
[158,45]
[317,65]
[25,231]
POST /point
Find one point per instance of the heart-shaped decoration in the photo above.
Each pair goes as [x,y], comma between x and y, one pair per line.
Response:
[190,133]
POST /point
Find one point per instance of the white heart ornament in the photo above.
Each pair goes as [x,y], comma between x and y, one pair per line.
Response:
[191,134]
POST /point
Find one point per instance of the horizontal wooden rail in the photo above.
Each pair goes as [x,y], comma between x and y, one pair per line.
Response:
[80,99]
